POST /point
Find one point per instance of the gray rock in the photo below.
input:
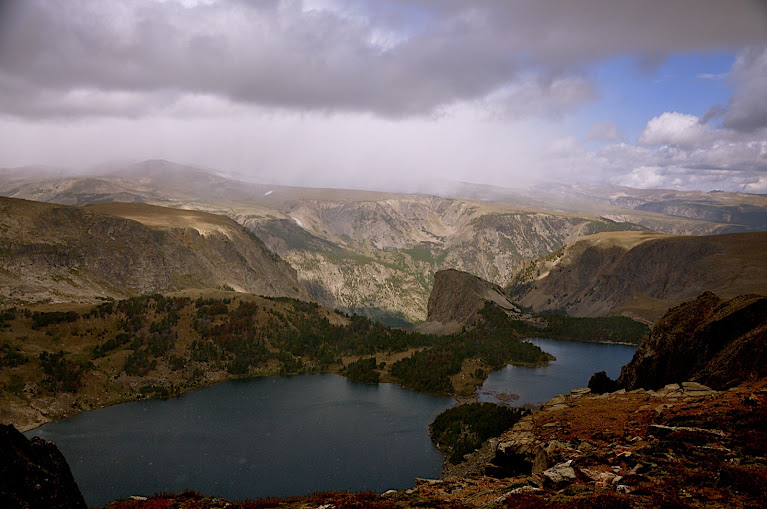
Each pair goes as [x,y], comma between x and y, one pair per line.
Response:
[559,475]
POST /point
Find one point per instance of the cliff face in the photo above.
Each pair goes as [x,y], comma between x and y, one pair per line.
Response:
[640,274]
[60,253]
[34,474]
[382,253]
[714,342]
[455,299]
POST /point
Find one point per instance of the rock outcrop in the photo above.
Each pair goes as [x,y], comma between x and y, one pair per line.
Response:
[715,342]
[60,253]
[456,298]
[34,474]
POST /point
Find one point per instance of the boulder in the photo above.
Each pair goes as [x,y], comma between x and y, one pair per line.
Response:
[600,383]
[559,475]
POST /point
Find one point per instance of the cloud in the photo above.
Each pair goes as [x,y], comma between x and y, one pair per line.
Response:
[712,77]
[389,57]
[540,96]
[603,131]
[673,128]
[747,109]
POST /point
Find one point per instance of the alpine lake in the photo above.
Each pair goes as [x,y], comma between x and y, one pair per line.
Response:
[281,436]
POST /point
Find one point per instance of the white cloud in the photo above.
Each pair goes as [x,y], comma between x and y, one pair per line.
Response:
[673,128]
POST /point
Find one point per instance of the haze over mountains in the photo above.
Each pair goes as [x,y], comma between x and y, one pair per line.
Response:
[376,253]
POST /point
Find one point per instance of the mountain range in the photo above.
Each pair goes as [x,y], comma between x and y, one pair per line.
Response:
[376,253]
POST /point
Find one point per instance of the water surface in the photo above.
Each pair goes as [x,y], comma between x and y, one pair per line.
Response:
[273,436]
[576,362]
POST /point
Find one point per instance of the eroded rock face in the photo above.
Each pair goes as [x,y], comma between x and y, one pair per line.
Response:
[34,474]
[717,343]
[457,296]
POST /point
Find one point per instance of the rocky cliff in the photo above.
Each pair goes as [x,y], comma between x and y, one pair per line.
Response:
[640,274]
[714,342]
[457,297]
[59,253]
[360,254]
[34,474]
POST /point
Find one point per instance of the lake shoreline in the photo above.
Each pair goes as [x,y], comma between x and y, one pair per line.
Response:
[64,405]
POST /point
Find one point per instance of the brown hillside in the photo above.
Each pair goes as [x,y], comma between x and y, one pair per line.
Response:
[641,274]
[61,253]
[456,298]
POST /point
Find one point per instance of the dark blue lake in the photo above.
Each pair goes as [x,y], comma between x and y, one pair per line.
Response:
[273,436]
[279,436]
[576,362]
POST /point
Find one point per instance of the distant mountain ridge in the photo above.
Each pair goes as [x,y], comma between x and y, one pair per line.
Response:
[60,253]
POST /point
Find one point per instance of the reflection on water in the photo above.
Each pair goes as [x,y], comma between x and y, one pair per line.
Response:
[576,362]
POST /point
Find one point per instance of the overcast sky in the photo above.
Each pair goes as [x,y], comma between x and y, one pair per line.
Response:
[371,93]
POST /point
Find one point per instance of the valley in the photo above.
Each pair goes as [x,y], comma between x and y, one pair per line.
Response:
[375,253]
[159,279]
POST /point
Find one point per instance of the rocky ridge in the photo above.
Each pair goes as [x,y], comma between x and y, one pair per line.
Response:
[58,253]
[630,449]
[640,274]
[718,343]
[455,299]
[359,251]
[34,474]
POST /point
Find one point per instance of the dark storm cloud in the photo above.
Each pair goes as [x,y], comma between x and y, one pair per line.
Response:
[747,109]
[388,57]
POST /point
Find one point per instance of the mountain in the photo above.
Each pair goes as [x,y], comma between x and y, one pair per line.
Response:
[381,254]
[60,253]
[640,274]
[662,210]
[81,191]
[457,297]
[375,253]
[717,343]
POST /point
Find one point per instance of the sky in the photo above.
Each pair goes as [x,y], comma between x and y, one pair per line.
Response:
[393,94]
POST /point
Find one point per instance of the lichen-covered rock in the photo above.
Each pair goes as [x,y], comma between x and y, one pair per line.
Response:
[559,475]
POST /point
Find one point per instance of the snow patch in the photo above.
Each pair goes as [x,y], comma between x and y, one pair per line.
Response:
[298,221]
[268,193]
